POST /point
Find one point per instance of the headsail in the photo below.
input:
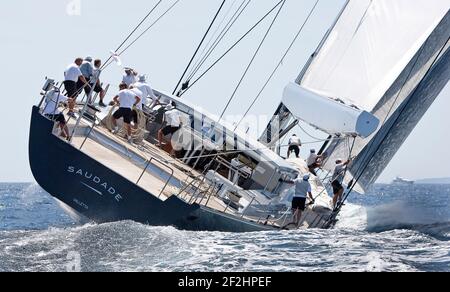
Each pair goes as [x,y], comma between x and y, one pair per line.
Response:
[369,47]
[380,56]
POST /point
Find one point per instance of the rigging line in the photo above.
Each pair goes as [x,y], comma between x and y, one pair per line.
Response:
[199,46]
[229,152]
[221,36]
[221,153]
[149,27]
[144,32]
[213,35]
[253,58]
[309,135]
[350,153]
[279,64]
[202,54]
[393,124]
[232,47]
[134,30]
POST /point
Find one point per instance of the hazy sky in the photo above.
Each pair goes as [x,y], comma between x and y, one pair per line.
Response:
[40,38]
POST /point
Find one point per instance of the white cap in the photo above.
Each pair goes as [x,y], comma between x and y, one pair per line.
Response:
[89,59]
[169,107]
[142,78]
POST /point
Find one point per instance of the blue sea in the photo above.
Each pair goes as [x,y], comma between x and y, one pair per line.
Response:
[390,229]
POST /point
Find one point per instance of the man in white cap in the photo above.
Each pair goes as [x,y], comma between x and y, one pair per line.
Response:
[338,180]
[302,191]
[146,90]
[172,118]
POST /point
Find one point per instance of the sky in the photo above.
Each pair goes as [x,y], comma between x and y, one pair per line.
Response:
[41,38]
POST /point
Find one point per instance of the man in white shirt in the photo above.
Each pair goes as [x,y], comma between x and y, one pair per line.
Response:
[126,99]
[129,77]
[147,91]
[139,107]
[338,180]
[173,120]
[294,146]
[51,110]
[303,190]
[314,161]
[71,77]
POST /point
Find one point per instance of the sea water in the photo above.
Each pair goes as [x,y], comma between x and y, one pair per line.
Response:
[391,229]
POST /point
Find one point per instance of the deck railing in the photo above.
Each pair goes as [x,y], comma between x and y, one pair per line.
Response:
[171,171]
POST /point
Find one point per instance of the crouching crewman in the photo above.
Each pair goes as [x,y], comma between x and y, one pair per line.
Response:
[52,101]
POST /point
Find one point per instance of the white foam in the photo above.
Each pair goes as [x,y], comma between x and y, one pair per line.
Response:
[352,217]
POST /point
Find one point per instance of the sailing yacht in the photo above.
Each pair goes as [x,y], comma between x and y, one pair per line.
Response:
[399,181]
[369,82]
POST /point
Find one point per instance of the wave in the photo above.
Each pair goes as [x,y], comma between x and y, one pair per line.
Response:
[129,246]
[398,215]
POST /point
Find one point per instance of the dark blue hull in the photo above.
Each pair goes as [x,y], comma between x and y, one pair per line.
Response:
[98,193]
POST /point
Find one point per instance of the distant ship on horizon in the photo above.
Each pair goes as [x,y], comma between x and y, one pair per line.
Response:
[399,181]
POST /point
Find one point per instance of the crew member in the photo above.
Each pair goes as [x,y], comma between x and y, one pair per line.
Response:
[302,191]
[314,161]
[126,99]
[338,180]
[294,146]
[173,120]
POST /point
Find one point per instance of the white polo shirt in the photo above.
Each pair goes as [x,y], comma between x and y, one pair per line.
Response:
[127,98]
[72,73]
[295,141]
[173,118]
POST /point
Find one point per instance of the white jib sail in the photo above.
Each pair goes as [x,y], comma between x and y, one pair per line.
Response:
[370,46]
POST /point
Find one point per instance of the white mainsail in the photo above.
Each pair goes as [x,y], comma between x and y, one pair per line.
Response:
[375,57]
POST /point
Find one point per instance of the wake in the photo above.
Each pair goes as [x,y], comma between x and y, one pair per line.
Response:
[398,215]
